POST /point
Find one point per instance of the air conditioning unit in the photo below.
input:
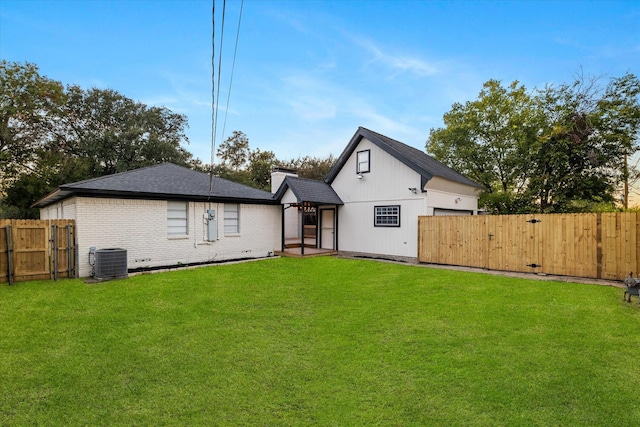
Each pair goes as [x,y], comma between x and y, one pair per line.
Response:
[111,263]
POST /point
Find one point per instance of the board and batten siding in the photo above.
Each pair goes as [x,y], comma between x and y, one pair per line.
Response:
[389,183]
[140,227]
[292,216]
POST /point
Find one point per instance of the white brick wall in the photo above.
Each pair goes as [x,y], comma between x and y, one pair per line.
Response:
[140,227]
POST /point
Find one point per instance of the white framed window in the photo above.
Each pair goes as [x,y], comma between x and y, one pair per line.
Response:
[177,219]
[387,216]
[231,218]
[363,161]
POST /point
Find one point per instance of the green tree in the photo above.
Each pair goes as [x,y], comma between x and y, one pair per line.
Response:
[49,136]
[579,158]
[118,134]
[29,106]
[489,141]
[261,163]
[559,149]
[311,167]
[234,151]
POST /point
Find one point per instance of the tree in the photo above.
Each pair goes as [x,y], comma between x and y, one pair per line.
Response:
[234,151]
[559,149]
[261,163]
[311,167]
[49,135]
[488,140]
[580,152]
[118,134]
[29,105]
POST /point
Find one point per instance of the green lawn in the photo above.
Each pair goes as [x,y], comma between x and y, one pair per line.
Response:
[320,341]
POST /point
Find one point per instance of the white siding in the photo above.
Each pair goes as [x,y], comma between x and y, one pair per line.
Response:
[445,194]
[140,227]
[387,184]
[388,179]
[358,234]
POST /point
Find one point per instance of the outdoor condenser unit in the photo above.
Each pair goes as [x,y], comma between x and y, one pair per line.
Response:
[111,263]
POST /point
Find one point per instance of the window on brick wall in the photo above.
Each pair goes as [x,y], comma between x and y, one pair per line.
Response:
[177,219]
[231,218]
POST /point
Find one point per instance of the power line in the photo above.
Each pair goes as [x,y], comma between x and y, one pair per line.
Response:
[233,66]
[213,93]
[215,127]
[215,89]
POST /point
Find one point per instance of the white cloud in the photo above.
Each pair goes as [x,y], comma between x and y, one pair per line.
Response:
[398,63]
[310,108]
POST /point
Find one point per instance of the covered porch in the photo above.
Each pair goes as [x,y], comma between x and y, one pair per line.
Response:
[309,218]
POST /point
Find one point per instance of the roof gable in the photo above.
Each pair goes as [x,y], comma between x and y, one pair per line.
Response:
[423,164]
[309,190]
[163,181]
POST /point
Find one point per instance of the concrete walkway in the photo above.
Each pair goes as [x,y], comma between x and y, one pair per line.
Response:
[531,276]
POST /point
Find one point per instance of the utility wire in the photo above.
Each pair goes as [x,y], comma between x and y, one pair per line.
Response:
[215,128]
[233,66]
[213,93]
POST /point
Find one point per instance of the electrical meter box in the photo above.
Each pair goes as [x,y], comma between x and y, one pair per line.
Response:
[212,225]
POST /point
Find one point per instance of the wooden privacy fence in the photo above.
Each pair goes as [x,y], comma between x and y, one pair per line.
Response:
[37,249]
[595,245]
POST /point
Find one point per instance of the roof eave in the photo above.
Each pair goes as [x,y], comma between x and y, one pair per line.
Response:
[63,194]
[55,196]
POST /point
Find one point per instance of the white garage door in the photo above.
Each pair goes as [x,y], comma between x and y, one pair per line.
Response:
[450,212]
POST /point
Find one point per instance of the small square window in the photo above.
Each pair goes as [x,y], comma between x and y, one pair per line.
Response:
[387,216]
[363,159]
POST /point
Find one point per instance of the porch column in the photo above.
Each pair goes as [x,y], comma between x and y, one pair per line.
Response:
[302,229]
[335,236]
[282,231]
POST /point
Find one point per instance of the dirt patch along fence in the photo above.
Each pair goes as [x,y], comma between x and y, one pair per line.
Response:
[37,250]
[594,245]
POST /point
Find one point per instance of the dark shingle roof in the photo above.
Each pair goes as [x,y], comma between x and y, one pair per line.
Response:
[164,181]
[309,190]
[425,165]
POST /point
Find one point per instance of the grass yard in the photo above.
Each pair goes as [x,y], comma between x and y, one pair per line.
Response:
[321,341]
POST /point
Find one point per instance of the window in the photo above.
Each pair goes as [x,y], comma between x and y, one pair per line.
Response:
[387,216]
[231,218]
[363,161]
[177,214]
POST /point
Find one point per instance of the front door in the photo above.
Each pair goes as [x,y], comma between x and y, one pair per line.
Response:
[327,236]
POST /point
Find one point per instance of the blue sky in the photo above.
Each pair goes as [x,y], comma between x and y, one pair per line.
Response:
[308,73]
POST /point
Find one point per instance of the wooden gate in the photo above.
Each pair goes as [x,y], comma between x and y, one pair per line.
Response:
[596,245]
[37,250]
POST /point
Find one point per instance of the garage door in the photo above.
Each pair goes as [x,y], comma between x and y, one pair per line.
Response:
[450,212]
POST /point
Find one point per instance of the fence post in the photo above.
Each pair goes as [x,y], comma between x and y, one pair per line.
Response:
[9,255]
[69,248]
[55,251]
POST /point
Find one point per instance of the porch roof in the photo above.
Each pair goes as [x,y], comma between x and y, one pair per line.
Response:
[309,191]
